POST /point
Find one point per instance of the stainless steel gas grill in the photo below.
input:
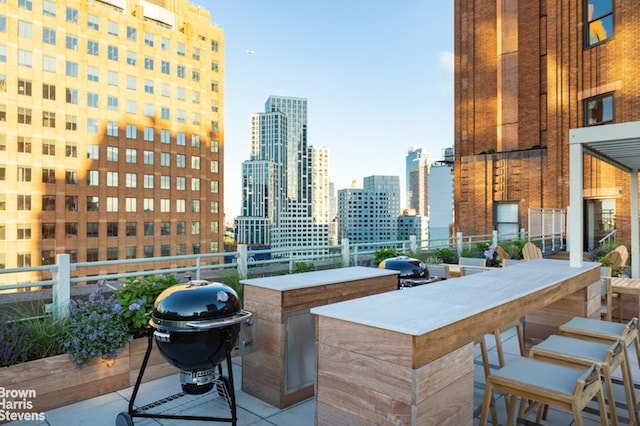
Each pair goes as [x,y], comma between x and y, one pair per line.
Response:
[195,326]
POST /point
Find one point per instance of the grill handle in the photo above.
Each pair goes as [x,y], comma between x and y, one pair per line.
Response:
[223,322]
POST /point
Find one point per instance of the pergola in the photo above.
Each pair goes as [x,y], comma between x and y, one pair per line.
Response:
[616,144]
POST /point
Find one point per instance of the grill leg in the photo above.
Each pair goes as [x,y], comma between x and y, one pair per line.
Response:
[147,354]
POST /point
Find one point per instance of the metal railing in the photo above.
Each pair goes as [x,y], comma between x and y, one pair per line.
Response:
[212,266]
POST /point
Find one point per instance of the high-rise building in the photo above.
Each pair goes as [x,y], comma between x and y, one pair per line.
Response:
[525,74]
[111,130]
[370,214]
[285,186]
[417,169]
[441,206]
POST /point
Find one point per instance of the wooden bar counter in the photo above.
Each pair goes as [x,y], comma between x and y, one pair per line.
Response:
[281,366]
[406,357]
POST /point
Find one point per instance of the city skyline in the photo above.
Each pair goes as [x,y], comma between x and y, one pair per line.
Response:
[374,74]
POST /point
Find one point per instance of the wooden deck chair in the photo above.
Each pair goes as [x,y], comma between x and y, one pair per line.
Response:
[530,251]
[615,258]
[624,254]
[503,255]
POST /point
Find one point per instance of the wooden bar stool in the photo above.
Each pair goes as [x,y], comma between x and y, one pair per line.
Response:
[608,332]
[484,352]
[555,385]
[581,354]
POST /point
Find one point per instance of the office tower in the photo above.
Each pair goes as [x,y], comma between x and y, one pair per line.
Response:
[111,130]
[417,170]
[370,214]
[441,211]
[525,74]
[285,182]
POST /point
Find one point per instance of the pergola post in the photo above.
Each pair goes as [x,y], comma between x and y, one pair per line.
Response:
[576,231]
[635,241]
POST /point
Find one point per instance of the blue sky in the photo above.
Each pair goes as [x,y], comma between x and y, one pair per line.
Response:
[378,76]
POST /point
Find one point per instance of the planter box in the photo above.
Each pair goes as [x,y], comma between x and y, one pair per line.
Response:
[55,381]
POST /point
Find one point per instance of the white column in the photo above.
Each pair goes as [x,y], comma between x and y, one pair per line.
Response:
[635,236]
[576,237]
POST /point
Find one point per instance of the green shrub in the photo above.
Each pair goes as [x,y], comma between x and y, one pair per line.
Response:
[386,253]
[446,255]
[233,281]
[299,267]
[136,299]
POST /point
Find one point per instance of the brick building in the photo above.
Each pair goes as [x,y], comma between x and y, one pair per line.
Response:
[525,73]
[111,130]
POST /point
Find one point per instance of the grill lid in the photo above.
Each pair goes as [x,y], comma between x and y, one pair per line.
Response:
[197,300]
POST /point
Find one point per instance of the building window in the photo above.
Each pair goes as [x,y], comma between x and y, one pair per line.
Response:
[181,50]
[92,125]
[49,8]
[71,69]
[148,63]
[71,150]
[49,203]
[165,182]
[48,119]
[72,96]
[112,204]
[71,203]
[112,253]
[25,30]
[165,113]
[112,128]
[131,229]
[599,18]
[24,202]
[72,15]
[181,138]
[49,91]
[148,39]
[148,205]
[72,42]
[24,115]
[214,45]
[25,58]
[93,22]
[49,64]
[132,107]
[93,74]
[112,153]
[181,71]
[181,228]
[598,110]
[149,133]
[48,176]
[92,100]
[112,103]
[25,4]
[195,53]
[49,36]
[165,205]
[24,144]
[112,179]
[93,178]
[181,183]
[148,229]
[147,181]
[148,158]
[132,33]
[92,255]
[71,122]
[112,53]
[148,251]
[24,260]
[71,177]
[93,152]
[181,161]
[132,131]
[24,87]
[131,180]
[165,67]
[131,205]
[93,48]
[48,231]
[112,78]
[112,28]
[93,204]
[165,136]
[148,86]
[131,252]
[93,229]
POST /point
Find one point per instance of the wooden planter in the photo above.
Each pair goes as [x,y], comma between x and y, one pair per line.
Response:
[57,381]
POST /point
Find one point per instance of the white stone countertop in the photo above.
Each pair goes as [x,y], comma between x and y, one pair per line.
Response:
[419,310]
[317,278]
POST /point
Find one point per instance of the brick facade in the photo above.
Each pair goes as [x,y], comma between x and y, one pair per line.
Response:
[521,77]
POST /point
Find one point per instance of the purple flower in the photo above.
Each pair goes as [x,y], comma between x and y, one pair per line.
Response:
[489,252]
[134,306]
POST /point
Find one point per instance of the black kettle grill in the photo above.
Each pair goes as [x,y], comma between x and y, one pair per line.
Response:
[195,326]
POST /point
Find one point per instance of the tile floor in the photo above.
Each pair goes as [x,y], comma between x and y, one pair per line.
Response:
[103,410]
